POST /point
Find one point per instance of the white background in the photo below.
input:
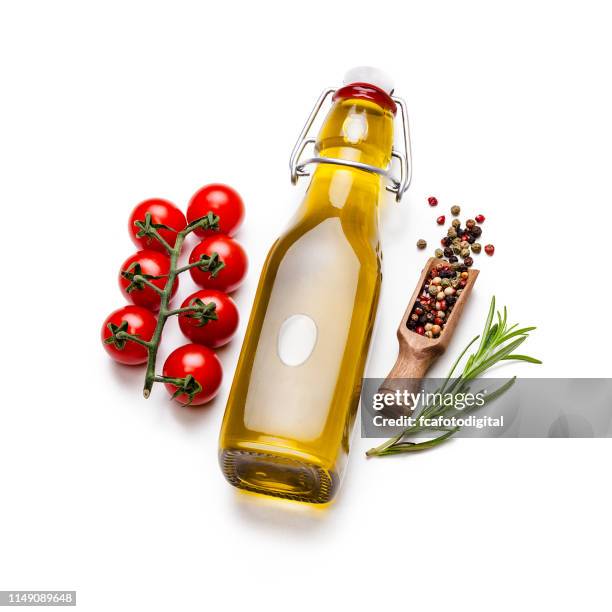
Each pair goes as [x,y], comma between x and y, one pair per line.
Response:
[105,104]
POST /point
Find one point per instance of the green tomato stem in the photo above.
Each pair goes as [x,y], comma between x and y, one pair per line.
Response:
[141,279]
[132,338]
[209,221]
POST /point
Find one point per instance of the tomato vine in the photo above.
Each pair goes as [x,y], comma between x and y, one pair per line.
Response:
[211,264]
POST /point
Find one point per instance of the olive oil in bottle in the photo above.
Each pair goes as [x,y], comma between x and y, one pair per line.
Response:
[296,389]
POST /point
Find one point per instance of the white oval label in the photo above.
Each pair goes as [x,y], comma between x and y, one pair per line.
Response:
[296,339]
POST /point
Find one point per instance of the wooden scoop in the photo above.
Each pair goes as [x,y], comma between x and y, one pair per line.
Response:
[417,353]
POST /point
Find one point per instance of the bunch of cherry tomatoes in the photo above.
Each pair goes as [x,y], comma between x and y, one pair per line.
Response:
[217,318]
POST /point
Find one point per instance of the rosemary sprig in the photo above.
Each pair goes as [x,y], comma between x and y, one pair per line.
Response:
[497,343]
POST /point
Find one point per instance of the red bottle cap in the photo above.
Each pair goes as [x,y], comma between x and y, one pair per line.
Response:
[368,83]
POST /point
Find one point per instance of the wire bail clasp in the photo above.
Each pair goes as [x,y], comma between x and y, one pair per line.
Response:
[397,186]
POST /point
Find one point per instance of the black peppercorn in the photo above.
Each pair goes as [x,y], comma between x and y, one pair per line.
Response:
[453,259]
[471,239]
[450,300]
[468,261]
[445,241]
[476,231]
[448,252]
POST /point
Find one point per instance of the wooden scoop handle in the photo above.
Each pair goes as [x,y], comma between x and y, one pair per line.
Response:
[409,365]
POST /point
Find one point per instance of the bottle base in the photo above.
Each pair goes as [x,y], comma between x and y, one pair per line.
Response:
[278,476]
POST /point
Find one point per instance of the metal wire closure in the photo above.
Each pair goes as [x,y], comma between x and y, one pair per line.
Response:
[397,186]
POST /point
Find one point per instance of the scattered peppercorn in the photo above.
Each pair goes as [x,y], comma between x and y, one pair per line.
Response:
[421,244]
[458,243]
[432,201]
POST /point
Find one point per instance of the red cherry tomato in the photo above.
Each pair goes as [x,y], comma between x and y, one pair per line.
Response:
[227,251]
[222,200]
[217,325]
[162,212]
[199,362]
[145,263]
[134,320]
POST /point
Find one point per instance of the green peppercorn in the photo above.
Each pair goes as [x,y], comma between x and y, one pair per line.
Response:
[439,253]
[456,249]
[433,290]
[465,252]
[445,283]
[451,232]
[456,223]
[455,210]
[464,244]
[421,244]
[476,247]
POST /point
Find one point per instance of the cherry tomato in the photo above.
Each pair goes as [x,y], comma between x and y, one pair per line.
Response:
[222,200]
[134,320]
[221,249]
[216,325]
[198,362]
[145,263]
[162,213]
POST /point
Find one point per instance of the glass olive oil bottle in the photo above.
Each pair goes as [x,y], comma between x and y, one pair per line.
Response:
[296,389]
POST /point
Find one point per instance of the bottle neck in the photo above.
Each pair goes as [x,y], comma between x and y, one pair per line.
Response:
[357,130]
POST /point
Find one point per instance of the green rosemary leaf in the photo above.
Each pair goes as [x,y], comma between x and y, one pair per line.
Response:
[452,370]
[495,357]
[499,391]
[519,332]
[485,333]
[408,447]
[522,358]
